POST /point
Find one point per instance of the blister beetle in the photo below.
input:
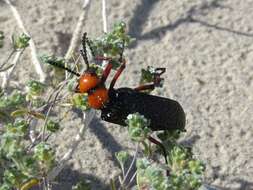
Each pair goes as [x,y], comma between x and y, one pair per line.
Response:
[117,104]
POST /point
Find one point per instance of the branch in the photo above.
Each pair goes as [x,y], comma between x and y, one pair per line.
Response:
[77,32]
[104,16]
[131,165]
[7,74]
[34,58]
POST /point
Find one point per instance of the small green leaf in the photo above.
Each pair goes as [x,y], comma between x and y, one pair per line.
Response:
[80,101]
[14,100]
[112,43]
[44,153]
[52,126]
[19,112]
[122,157]
[37,115]
[21,41]
[147,75]
[138,127]
[36,88]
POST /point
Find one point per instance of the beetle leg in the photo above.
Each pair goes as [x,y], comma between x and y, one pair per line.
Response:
[157,76]
[156,82]
[118,73]
[101,58]
[89,42]
[77,89]
[153,140]
[145,87]
[107,69]
[106,72]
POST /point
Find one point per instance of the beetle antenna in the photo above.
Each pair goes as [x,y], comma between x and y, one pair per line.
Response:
[84,51]
[91,48]
[62,67]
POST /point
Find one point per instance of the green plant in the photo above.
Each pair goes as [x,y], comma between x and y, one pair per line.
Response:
[19,43]
[112,44]
[183,171]
[28,159]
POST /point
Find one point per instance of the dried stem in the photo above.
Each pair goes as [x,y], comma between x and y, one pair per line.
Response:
[61,86]
[7,74]
[8,58]
[104,16]
[132,179]
[77,32]
[132,164]
[34,57]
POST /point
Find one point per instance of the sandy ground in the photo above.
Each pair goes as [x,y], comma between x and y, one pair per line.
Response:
[207,49]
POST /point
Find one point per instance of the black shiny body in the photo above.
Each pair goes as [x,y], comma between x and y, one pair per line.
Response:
[163,113]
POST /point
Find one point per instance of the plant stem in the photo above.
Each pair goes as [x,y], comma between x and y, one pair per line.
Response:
[8,58]
[77,33]
[132,163]
[7,74]
[34,57]
[112,184]
[104,17]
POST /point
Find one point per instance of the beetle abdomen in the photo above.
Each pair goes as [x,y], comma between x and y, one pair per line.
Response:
[163,113]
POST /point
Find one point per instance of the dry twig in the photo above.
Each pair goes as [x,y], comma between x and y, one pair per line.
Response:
[7,74]
[77,32]
[34,57]
[104,16]
[131,165]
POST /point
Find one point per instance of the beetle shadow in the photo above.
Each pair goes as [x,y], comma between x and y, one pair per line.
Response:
[68,177]
[110,144]
[141,14]
[137,22]
[244,184]
[107,140]
[189,142]
[99,130]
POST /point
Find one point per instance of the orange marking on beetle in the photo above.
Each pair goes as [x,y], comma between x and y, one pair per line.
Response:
[98,98]
[88,81]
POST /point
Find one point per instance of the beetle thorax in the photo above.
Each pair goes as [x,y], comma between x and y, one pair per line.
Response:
[98,97]
[90,83]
